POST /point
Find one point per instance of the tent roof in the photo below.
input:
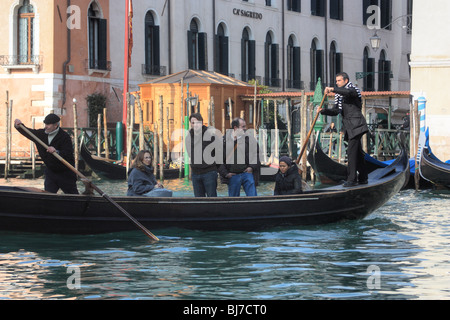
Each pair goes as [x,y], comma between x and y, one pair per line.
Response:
[199,77]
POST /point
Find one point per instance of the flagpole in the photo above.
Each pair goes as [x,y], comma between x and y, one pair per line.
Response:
[126,63]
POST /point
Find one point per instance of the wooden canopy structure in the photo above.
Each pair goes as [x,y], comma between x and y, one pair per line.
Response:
[191,91]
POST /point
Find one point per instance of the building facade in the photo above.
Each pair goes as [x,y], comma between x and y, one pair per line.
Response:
[55,51]
[430,66]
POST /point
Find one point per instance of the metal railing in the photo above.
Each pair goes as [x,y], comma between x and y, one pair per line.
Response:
[18,60]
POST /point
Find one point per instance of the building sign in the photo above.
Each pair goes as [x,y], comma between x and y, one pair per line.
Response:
[249,14]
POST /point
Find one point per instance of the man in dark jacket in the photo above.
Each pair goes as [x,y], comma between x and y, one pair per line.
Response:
[241,164]
[348,103]
[57,175]
[203,165]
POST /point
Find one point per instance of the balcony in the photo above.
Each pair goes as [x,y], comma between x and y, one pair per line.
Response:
[98,66]
[295,84]
[20,62]
[157,71]
[272,82]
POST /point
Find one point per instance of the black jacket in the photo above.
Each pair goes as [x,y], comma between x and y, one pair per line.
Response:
[62,142]
[201,143]
[354,123]
[289,183]
[231,150]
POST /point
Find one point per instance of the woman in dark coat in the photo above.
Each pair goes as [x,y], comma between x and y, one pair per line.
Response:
[142,181]
[287,180]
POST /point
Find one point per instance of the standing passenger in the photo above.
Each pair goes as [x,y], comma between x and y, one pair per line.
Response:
[241,160]
[204,169]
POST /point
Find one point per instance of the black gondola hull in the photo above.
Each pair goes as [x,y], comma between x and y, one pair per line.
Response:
[433,170]
[29,211]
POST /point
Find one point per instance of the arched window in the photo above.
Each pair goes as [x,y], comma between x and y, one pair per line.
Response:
[97,39]
[152,51]
[197,46]
[336,61]
[293,65]
[384,73]
[25,30]
[316,64]
[221,50]
[271,65]
[368,71]
[248,55]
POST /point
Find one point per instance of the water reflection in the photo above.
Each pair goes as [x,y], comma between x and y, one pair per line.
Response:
[407,240]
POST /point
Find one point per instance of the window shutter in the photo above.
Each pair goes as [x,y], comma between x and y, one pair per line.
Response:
[244,75]
[314,7]
[252,56]
[267,63]
[202,51]
[224,55]
[319,65]
[297,70]
[217,53]
[102,44]
[274,66]
[190,53]
[156,50]
[339,62]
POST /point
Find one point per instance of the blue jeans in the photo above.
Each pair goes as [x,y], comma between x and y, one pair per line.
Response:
[205,185]
[246,180]
[159,193]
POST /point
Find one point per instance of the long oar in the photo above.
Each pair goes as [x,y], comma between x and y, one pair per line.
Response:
[305,144]
[104,195]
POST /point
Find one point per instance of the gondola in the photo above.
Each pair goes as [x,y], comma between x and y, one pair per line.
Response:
[112,171]
[30,210]
[431,168]
[329,171]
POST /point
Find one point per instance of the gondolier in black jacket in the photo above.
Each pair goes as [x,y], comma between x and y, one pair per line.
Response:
[348,103]
[57,175]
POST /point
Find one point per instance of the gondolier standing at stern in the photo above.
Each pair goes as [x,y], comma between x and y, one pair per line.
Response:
[348,103]
[57,175]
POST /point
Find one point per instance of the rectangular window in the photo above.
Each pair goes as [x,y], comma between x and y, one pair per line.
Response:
[337,9]
[318,8]
[386,14]
[294,5]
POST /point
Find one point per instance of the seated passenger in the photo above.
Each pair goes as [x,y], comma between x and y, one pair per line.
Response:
[142,181]
[287,180]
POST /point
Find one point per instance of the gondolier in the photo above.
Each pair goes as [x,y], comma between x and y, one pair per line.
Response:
[57,175]
[348,103]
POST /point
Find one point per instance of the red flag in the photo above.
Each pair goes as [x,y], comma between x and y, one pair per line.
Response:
[130,31]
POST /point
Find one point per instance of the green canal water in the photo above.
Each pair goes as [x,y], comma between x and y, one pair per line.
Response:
[400,252]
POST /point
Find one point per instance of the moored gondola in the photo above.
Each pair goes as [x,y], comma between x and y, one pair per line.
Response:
[113,171]
[431,168]
[29,210]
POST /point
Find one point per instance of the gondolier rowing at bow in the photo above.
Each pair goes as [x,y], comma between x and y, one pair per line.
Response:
[57,175]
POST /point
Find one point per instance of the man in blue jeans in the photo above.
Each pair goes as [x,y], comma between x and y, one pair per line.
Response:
[241,160]
[204,167]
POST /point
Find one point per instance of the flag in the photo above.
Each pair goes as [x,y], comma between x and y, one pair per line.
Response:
[130,31]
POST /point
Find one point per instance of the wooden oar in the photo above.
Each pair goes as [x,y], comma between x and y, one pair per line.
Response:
[305,144]
[104,195]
